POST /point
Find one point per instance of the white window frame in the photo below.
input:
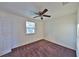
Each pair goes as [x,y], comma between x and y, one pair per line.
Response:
[27,26]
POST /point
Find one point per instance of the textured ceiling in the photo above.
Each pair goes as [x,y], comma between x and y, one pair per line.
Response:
[56,9]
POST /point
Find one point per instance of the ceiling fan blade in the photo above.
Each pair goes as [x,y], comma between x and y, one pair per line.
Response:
[46,15]
[35,16]
[44,11]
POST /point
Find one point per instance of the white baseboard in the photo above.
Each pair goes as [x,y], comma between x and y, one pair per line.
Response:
[5,52]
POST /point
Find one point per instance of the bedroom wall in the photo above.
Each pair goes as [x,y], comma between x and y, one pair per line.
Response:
[62,30]
[77,32]
[12,32]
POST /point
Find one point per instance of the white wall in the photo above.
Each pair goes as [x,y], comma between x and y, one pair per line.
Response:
[62,30]
[12,32]
[77,33]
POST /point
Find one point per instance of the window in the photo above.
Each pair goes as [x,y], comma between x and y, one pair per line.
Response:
[30,27]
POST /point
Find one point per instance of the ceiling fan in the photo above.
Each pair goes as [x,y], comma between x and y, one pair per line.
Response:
[42,14]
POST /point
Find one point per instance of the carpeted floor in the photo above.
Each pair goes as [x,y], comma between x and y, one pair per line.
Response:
[41,48]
